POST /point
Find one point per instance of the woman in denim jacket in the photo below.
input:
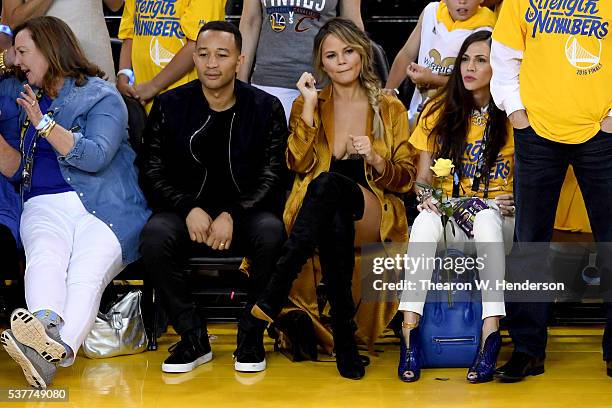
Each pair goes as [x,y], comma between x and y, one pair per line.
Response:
[83,209]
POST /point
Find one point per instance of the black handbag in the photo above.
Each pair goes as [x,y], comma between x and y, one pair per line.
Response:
[294,336]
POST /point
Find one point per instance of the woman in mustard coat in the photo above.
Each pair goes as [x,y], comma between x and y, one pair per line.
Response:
[348,146]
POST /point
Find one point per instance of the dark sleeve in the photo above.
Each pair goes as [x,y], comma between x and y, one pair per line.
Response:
[267,192]
[156,184]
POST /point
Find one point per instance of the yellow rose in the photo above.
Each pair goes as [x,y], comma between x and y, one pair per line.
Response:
[442,167]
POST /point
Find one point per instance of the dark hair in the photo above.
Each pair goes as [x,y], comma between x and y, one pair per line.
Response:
[226,27]
[61,49]
[453,105]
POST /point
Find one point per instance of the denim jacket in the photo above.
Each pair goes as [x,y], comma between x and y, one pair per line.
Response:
[100,167]
[10,204]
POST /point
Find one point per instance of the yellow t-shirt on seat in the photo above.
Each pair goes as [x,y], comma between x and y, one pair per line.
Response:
[160,28]
[566,72]
[500,176]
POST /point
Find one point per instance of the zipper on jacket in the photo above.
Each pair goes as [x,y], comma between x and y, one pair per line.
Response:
[203,182]
[453,339]
[196,159]
[229,153]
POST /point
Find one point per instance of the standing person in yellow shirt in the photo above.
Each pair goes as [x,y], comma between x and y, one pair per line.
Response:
[552,70]
[159,42]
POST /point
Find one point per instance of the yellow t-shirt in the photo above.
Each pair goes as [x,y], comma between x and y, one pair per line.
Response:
[566,72]
[501,175]
[160,28]
[483,18]
[571,210]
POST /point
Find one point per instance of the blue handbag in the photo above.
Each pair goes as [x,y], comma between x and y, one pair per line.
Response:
[451,324]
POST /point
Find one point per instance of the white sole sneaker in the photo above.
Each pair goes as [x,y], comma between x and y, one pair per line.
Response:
[250,367]
[29,371]
[185,368]
[29,331]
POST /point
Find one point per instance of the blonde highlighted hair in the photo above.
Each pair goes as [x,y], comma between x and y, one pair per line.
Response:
[349,33]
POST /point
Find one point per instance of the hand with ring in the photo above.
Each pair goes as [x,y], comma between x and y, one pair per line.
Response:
[363,146]
[429,204]
[220,232]
[29,103]
[506,204]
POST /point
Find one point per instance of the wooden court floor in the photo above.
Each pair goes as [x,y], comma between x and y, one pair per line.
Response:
[575,377]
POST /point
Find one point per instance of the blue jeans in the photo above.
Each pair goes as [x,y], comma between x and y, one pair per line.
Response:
[540,169]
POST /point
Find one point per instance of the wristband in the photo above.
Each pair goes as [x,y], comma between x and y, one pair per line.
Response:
[47,129]
[44,121]
[6,30]
[129,74]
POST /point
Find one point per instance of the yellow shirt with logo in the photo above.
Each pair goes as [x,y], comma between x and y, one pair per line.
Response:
[160,28]
[571,210]
[566,72]
[501,174]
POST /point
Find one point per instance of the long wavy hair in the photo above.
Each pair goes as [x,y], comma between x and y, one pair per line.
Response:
[453,105]
[61,49]
[349,33]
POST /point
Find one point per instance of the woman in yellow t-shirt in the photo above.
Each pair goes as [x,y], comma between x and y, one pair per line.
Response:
[462,124]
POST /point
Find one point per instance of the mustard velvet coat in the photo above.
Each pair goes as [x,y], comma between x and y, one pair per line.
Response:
[309,153]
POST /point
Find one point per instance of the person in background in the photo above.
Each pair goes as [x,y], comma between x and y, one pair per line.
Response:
[83,209]
[84,17]
[278,40]
[158,44]
[577,132]
[436,39]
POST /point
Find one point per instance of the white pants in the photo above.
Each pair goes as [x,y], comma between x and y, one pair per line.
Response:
[491,230]
[71,256]
[286,96]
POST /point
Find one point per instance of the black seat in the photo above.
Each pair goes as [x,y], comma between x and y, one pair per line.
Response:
[381,63]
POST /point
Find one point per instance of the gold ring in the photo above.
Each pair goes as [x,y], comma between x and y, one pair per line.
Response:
[222,245]
[33,103]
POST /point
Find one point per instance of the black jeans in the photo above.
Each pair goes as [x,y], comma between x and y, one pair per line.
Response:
[540,168]
[165,247]
[10,255]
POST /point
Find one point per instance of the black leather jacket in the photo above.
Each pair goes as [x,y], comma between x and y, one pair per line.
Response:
[173,180]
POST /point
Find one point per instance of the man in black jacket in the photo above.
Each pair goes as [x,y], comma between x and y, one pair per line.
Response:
[214,173]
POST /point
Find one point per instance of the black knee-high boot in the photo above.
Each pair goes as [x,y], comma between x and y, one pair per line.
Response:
[327,195]
[337,256]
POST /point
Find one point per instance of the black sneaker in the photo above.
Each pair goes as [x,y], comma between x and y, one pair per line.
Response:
[250,355]
[193,350]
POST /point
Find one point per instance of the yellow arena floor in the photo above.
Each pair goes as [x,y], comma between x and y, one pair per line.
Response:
[575,377]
